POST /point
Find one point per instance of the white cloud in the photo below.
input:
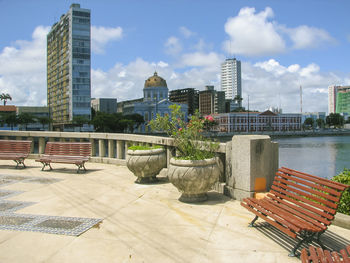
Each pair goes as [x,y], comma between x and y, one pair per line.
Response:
[186,32]
[252,34]
[23,69]
[270,84]
[173,46]
[200,59]
[256,34]
[308,37]
[100,36]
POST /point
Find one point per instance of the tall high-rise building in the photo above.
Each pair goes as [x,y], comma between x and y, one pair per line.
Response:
[69,67]
[231,78]
[339,99]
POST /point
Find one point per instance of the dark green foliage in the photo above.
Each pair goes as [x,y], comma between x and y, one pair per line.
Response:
[116,122]
[344,178]
[335,119]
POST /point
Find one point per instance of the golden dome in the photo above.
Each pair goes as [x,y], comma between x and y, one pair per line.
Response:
[155,81]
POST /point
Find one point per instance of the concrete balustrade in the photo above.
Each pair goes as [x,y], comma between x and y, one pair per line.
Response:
[248,162]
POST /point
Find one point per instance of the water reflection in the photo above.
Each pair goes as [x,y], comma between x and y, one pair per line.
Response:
[322,156]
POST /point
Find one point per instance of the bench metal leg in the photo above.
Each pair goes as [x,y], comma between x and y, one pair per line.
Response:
[46,164]
[306,237]
[18,162]
[253,221]
[80,166]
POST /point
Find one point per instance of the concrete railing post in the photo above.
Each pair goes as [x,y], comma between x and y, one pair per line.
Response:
[32,144]
[41,145]
[120,149]
[93,147]
[111,148]
[101,148]
[254,162]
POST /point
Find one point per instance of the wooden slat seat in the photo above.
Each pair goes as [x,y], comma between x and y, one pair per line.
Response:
[66,152]
[298,204]
[318,255]
[16,150]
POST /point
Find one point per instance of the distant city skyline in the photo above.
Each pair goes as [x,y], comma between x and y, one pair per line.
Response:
[281,44]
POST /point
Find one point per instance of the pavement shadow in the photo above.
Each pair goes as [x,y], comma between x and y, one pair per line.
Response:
[330,240]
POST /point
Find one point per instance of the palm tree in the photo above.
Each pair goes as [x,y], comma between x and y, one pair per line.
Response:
[5,97]
[238,99]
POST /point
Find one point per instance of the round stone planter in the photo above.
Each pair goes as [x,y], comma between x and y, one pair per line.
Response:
[146,164]
[193,178]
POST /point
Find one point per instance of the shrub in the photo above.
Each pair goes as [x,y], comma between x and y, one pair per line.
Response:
[144,147]
[344,178]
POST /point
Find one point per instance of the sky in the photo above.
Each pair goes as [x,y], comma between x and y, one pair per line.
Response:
[282,45]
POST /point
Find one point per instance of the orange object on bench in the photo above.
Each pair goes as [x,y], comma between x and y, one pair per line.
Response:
[318,255]
[298,204]
[16,150]
[66,152]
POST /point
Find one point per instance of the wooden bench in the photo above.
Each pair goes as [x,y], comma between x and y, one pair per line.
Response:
[318,255]
[16,150]
[66,152]
[298,204]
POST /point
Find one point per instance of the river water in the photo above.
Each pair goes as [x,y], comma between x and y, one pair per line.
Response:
[324,156]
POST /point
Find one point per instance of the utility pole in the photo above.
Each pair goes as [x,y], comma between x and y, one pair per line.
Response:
[301,99]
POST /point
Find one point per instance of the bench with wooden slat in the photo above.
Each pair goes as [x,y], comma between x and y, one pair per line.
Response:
[66,152]
[318,255]
[298,204]
[16,150]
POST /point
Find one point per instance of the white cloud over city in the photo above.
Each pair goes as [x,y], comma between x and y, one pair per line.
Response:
[100,36]
[253,33]
[267,82]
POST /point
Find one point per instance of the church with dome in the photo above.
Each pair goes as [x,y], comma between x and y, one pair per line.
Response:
[155,101]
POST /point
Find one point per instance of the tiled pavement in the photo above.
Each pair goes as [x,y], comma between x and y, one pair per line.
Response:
[140,223]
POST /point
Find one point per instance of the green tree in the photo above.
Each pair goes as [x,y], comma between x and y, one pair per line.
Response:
[44,121]
[136,120]
[320,123]
[11,119]
[25,118]
[309,122]
[5,97]
[335,119]
[80,120]
[238,99]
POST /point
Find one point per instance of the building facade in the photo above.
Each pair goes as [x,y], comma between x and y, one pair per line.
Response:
[339,99]
[37,112]
[189,96]
[257,122]
[231,82]
[107,105]
[155,101]
[211,101]
[69,66]
[343,100]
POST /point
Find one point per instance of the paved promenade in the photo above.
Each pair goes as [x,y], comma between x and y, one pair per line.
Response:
[140,223]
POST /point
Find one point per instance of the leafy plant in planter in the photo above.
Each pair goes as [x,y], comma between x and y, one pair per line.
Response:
[195,168]
[146,162]
[344,204]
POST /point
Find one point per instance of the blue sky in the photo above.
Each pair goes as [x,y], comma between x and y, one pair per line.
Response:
[282,45]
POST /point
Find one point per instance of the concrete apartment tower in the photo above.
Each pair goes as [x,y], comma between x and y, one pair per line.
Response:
[231,78]
[69,67]
[339,99]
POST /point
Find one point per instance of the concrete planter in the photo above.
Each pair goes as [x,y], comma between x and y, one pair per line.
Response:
[193,178]
[146,164]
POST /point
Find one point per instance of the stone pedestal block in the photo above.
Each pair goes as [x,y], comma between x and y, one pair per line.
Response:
[254,164]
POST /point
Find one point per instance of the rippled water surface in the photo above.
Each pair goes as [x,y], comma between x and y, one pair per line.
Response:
[321,156]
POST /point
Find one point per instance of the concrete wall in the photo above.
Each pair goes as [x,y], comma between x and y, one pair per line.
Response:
[248,163]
